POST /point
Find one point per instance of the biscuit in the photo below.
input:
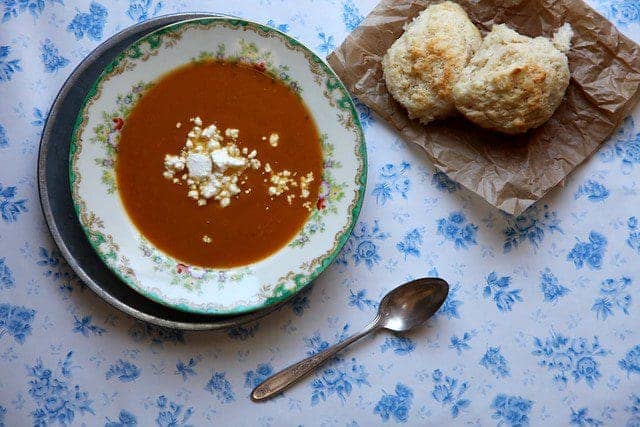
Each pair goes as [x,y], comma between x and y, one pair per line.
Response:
[421,67]
[514,83]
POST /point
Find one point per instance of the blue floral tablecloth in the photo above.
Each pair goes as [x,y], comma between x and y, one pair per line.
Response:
[542,325]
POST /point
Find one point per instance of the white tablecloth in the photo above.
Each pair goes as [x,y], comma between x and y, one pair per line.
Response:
[542,326]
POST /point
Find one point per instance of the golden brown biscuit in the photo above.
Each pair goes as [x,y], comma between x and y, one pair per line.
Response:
[421,67]
[514,83]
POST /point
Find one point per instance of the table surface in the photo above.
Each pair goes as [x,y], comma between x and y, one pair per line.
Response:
[542,325]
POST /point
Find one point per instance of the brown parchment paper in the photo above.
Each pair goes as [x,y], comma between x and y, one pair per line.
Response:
[511,173]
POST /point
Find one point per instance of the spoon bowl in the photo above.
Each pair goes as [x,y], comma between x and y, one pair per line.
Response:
[411,304]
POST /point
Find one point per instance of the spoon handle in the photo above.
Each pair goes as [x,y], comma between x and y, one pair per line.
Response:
[290,375]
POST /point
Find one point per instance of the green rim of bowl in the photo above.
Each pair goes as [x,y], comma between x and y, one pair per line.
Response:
[280,293]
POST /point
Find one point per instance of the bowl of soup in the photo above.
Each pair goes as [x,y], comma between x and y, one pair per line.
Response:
[217,166]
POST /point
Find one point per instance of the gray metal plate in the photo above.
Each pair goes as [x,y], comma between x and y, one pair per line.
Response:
[55,195]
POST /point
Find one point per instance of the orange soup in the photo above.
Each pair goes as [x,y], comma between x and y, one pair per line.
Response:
[163,180]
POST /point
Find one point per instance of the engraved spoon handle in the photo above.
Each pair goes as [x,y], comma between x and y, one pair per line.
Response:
[290,375]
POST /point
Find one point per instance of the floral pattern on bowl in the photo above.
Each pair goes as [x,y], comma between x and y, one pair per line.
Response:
[161,277]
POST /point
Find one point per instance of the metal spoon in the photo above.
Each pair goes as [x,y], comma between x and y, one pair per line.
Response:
[402,309]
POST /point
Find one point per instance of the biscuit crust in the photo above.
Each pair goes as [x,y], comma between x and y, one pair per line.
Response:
[421,67]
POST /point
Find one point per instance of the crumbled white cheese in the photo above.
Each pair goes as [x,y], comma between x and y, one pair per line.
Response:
[174,163]
[207,239]
[178,125]
[199,165]
[211,132]
[213,168]
[281,182]
[210,166]
[273,139]
[304,185]
[232,133]
[222,160]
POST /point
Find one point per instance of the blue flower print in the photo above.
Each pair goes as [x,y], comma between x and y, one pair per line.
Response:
[550,287]
[633,239]
[8,66]
[56,400]
[396,406]
[449,392]
[361,246]
[591,252]
[328,45]
[512,411]
[340,375]
[366,251]
[90,24]
[141,10]
[124,371]
[625,12]
[186,369]
[280,27]
[393,179]
[253,378]
[626,146]
[443,183]
[243,333]
[634,411]
[530,226]
[86,327]
[581,418]
[494,361]
[6,275]
[300,302]
[66,365]
[451,304]
[51,57]
[338,379]
[221,387]
[4,140]
[410,244]
[498,289]
[13,8]
[16,320]
[593,190]
[561,355]
[125,419]
[170,414]
[614,293]
[3,414]
[400,345]
[456,229]
[38,117]
[461,343]
[359,300]
[10,208]
[364,112]
[351,15]
[631,361]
